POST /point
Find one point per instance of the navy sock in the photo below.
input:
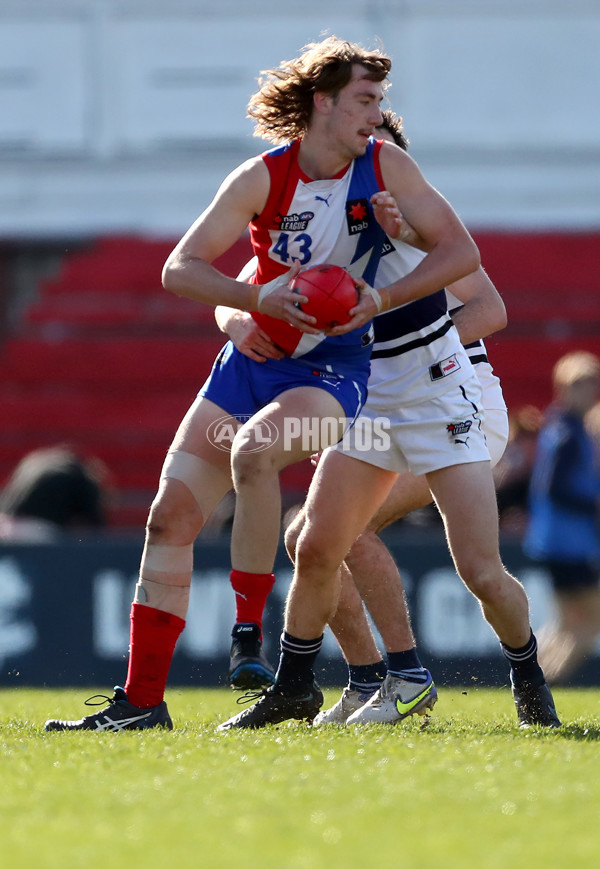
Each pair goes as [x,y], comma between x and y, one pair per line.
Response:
[524,664]
[407,666]
[296,664]
[366,678]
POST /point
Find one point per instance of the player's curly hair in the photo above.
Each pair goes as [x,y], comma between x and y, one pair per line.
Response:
[393,124]
[282,107]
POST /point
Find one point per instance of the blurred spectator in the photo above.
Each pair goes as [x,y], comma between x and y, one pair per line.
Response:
[512,474]
[564,533]
[592,424]
[53,489]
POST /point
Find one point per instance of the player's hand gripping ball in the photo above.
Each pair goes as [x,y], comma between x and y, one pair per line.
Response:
[331,293]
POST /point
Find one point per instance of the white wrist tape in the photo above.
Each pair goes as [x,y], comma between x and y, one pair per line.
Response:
[375,295]
[269,288]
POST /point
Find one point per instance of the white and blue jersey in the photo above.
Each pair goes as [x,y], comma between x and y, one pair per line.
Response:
[311,222]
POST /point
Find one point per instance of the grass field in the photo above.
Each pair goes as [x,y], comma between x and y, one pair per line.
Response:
[468,790]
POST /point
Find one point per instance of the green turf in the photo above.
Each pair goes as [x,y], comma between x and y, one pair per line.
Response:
[469,790]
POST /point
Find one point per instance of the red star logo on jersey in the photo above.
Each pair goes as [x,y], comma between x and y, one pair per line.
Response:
[358,211]
[357,215]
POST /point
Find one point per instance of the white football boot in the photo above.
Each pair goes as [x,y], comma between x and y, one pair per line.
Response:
[396,700]
[349,702]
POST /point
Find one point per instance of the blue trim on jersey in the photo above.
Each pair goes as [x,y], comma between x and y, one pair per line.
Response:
[372,238]
[348,355]
[363,184]
[279,149]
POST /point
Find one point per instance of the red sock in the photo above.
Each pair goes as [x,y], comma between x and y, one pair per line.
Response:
[251,593]
[152,643]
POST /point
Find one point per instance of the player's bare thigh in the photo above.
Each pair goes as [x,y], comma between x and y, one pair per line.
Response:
[344,494]
[408,493]
[411,493]
[291,419]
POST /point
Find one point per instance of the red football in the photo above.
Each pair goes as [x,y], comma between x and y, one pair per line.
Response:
[331,293]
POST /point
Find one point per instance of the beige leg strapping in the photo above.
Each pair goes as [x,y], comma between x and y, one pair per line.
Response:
[187,468]
[165,578]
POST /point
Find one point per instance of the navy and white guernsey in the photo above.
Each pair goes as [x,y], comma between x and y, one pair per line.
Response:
[315,222]
[493,399]
[417,353]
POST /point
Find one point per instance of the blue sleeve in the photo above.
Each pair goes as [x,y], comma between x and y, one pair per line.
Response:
[560,488]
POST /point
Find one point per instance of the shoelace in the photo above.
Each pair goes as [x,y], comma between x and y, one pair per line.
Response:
[250,696]
[103,699]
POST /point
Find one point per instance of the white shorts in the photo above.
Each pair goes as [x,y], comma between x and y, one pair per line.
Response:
[495,426]
[451,429]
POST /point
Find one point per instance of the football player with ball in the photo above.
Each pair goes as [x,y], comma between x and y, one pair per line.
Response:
[306,202]
[440,448]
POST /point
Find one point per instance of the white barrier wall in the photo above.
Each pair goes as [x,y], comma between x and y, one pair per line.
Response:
[123,115]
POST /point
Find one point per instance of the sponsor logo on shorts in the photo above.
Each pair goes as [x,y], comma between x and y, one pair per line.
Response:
[459,431]
[357,215]
[367,337]
[327,375]
[444,368]
[459,428]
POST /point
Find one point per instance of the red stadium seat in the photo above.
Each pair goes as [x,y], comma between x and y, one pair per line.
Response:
[108,361]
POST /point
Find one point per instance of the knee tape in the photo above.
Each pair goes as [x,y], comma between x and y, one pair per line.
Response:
[187,468]
[169,559]
[172,598]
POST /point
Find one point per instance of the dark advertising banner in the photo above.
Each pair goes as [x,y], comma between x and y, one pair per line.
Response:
[64,614]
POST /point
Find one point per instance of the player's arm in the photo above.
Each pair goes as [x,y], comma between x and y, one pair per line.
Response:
[482,312]
[243,331]
[188,271]
[451,252]
[246,335]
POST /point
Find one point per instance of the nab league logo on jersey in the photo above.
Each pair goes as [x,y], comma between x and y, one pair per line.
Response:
[294,222]
[357,215]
